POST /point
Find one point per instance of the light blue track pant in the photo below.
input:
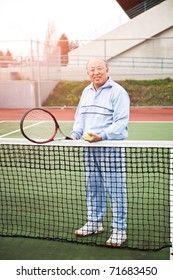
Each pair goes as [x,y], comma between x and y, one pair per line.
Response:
[105,176]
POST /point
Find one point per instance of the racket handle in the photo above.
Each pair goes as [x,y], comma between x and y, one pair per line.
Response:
[68,138]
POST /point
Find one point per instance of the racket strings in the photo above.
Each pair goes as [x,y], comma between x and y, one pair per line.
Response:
[39,125]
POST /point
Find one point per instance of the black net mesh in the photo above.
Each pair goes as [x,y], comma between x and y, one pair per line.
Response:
[51,191]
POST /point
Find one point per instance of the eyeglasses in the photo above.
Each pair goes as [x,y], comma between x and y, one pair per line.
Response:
[96,70]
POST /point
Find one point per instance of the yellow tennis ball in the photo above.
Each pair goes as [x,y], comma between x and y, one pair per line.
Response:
[86,135]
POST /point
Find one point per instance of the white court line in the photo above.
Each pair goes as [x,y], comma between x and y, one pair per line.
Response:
[9,121]
[14,131]
[18,130]
[59,121]
[71,121]
[150,121]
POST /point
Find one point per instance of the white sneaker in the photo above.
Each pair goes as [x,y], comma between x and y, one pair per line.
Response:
[117,238]
[90,228]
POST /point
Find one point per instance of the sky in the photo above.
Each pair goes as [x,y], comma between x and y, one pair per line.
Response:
[78,19]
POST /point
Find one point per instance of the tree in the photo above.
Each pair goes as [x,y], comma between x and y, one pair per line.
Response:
[5,59]
[63,43]
[8,56]
[1,55]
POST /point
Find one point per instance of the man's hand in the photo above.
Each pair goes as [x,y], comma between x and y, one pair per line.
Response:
[94,137]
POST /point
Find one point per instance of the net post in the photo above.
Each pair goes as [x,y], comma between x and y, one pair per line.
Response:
[171,203]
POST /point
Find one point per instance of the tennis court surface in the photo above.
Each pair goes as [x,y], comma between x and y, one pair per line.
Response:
[43,189]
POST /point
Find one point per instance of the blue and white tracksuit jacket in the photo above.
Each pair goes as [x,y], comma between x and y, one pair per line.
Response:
[105,112]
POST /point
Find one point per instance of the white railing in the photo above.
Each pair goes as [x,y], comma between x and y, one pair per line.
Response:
[43,63]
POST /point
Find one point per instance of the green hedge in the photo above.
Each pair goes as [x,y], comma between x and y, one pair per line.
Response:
[142,93]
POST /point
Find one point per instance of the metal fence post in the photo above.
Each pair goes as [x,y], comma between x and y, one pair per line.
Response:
[38,78]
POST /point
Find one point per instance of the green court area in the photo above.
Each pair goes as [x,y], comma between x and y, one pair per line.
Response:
[34,249]
[137,130]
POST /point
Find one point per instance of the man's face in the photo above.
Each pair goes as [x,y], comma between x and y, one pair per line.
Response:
[97,72]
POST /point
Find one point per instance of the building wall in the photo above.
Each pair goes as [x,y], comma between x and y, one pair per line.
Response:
[152,59]
[142,36]
[24,94]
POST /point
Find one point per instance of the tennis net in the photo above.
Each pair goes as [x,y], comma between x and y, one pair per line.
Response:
[43,189]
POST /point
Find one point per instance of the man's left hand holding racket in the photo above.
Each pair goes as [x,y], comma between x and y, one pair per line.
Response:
[40,126]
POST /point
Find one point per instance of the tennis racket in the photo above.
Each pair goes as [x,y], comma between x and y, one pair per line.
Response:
[40,126]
